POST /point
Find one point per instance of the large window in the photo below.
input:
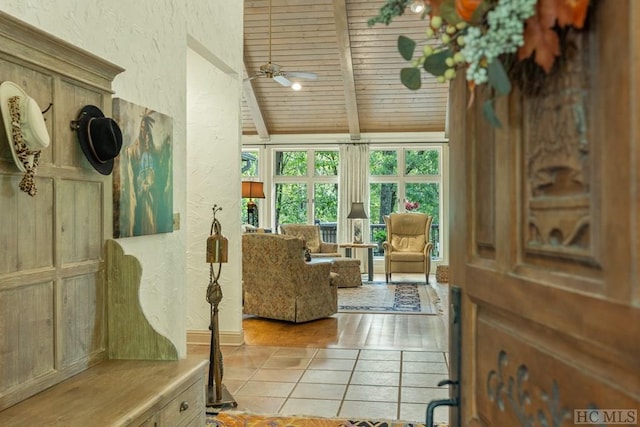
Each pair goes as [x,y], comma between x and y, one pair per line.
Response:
[301,185]
[306,187]
[403,180]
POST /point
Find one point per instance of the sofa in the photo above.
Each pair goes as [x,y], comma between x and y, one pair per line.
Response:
[313,238]
[279,284]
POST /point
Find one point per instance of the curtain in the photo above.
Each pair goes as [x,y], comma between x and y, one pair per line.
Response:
[354,187]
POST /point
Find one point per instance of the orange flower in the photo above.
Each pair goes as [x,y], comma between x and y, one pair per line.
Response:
[465,8]
[572,12]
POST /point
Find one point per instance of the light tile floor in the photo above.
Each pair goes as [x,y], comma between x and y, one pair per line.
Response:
[346,383]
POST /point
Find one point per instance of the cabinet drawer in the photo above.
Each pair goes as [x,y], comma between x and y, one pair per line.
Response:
[182,410]
[150,422]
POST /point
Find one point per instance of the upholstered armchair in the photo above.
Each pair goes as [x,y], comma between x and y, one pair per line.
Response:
[408,246]
[313,238]
[279,284]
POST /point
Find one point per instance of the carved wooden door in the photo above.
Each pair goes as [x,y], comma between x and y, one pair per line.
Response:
[545,239]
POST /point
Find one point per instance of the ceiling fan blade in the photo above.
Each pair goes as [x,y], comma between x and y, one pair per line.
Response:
[302,75]
[282,80]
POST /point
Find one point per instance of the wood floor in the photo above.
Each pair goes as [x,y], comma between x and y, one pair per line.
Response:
[351,330]
[355,330]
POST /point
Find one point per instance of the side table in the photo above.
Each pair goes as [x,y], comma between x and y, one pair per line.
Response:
[370,246]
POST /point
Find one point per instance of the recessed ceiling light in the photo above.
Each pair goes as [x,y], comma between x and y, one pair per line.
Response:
[296,86]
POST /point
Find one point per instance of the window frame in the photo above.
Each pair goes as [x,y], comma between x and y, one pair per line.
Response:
[402,179]
[266,169]
[309,179]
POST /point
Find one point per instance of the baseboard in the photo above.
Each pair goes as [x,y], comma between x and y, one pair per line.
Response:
[199,337]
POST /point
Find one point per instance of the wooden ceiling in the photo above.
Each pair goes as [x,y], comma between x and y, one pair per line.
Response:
[358,90]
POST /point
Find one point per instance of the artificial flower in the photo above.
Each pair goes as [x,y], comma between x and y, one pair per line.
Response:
[477,36]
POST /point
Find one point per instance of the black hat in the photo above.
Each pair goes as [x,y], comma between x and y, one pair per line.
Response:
[100,138]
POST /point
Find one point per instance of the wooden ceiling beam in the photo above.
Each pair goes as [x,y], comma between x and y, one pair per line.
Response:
[344,47]
[254,106]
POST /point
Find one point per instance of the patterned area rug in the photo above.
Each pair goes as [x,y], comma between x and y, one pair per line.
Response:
[395,297]
[238,419]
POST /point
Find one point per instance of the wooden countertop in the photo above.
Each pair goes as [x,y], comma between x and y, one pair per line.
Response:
[113,392]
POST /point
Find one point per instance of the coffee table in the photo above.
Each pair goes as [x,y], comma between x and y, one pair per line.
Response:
[370,246]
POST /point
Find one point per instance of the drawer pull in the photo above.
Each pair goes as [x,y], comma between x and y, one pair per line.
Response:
[184,406]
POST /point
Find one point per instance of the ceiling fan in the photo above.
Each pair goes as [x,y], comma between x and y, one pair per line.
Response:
[274,71]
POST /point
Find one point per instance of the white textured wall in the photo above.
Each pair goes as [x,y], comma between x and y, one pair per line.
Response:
[149,38]
[212,178]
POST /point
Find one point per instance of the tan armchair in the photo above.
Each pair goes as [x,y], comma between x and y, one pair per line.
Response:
[279,284]
[408,246]
[313,238]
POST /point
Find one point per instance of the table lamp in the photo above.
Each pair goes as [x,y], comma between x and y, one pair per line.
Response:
[358,214]
[252,190]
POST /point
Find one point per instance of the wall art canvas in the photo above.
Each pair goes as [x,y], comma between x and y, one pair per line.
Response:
[143,172]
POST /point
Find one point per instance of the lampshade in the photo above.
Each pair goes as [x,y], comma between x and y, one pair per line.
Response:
[252,190]
[357,211]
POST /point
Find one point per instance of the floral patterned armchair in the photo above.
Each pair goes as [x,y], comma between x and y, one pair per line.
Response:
[279,284]
[312,237]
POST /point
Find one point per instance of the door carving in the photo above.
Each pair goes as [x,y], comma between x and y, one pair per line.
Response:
[545,237]
[557,159]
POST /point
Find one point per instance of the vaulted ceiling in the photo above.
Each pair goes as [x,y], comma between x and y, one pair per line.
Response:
[358,89]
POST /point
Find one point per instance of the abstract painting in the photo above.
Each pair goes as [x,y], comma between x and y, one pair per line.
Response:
[143,172]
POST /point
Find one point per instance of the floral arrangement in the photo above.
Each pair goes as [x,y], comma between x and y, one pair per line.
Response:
[410,206]
[484,38]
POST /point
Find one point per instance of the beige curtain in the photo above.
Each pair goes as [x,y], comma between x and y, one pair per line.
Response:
[354,187]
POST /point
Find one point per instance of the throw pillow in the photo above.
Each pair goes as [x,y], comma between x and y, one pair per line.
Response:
[314,249]
[312,243]
[408,243]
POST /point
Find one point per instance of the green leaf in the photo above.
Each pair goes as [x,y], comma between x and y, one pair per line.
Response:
[482,9]
[410,77]
[498,78]
[406,46]
[388,11]
[448,12]
[434,64]
[490,113]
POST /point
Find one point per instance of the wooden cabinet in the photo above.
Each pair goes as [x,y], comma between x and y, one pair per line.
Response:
[120,393]
[187,409]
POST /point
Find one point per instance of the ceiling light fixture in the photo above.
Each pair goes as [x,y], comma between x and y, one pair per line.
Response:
[296,86]
[417,6]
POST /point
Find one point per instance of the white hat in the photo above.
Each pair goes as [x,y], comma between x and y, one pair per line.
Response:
[25,126]
[31,125]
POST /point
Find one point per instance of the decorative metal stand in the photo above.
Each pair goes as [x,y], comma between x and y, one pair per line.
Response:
[218,397]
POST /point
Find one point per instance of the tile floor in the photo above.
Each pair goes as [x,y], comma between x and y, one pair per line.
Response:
[330,382]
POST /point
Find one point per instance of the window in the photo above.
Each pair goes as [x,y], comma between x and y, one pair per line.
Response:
[249,161]
[291,203]
[306,188]
[291,163]
[416,188]
[302,185]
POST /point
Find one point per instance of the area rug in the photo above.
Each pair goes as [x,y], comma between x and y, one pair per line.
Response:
[395,297]
[239,419]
